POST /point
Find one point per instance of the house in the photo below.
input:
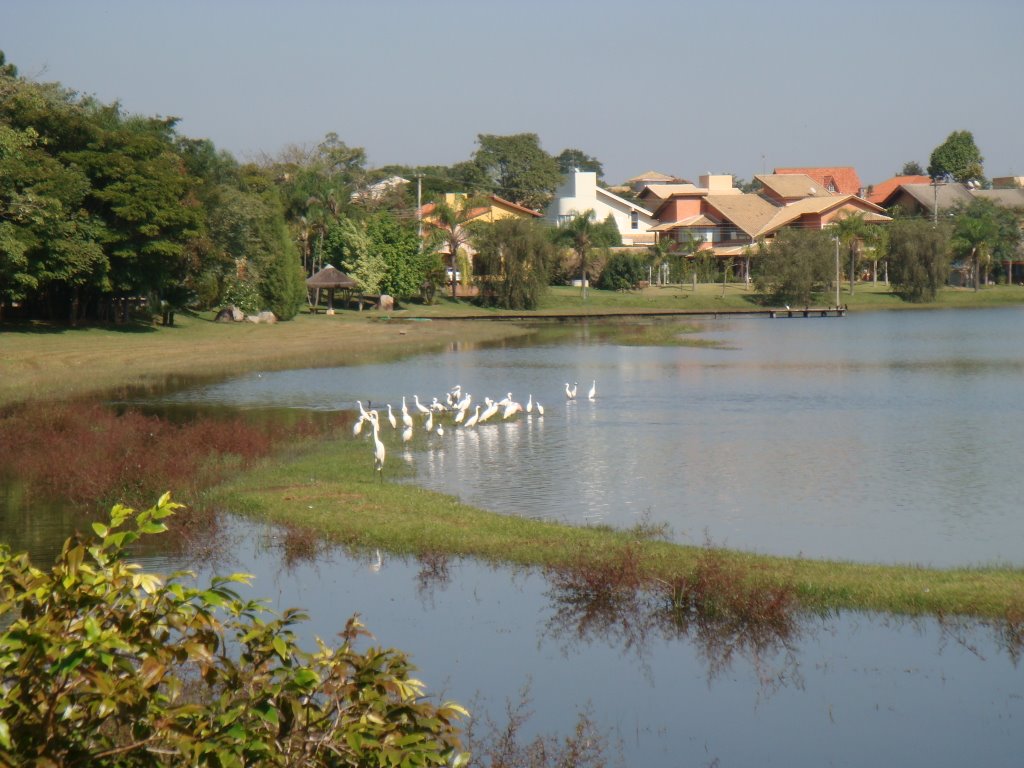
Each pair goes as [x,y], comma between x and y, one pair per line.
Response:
[580,192]
[487,209]
[879,192]
[839,180]
[647,178]
[490,208]
[927,199]
[378,189]
[1008,182]
[729,223]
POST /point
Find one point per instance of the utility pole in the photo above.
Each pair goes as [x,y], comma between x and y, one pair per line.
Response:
[837,271]
[419,207]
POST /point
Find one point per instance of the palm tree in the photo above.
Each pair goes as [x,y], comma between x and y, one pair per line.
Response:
[974,236]
[449,230]
[578,234]
[851,229]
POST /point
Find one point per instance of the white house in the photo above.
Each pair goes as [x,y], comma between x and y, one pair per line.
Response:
[580,192]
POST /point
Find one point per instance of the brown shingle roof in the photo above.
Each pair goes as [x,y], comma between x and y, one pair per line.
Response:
[881,191]
[747,212]
[843,177]
[792,186]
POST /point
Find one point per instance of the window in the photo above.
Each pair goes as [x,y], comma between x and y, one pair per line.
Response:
[634,220]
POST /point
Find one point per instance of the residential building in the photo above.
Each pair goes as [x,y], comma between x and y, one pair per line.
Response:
[878,193]
[580,193]
[729,223]
[839,180]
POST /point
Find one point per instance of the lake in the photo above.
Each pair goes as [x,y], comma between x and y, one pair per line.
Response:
[882,437]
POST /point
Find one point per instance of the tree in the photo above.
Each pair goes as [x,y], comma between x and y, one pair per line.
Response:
[957,157]
[380,253]
[622,272]
[103,664]
[918,258]
[975,234]
[797,264]
[851,229]
[450,229]
[570,160]
[516,168]
[911,168]
[513,260]
[582,234]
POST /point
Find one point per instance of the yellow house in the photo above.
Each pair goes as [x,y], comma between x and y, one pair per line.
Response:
[487,209]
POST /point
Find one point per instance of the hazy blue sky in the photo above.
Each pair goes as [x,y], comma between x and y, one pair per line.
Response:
[679,87]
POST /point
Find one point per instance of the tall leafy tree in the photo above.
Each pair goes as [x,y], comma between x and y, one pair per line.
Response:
[911,168]
[517,169]
[918,258]
[570,160]
[797,264]
[957,157]
[513,261]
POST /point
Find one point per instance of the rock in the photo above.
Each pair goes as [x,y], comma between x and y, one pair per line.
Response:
[386,303]
[230,315]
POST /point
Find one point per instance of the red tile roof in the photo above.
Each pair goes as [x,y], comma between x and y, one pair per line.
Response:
[843,179]
[881,191]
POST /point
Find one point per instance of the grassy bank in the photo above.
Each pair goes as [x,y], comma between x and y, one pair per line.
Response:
[329,488]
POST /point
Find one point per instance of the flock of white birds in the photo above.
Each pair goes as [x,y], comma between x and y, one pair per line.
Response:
[452,409]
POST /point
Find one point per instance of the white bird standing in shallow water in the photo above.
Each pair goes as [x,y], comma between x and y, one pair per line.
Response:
[391,418]
[529,403]
[407,434]
[472,420]
[419,406]
[378,561]
[592,394]
[428,423]
[406,418]
[570,393]
[378,447]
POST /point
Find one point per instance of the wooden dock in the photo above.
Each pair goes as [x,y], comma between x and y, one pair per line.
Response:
[809,312]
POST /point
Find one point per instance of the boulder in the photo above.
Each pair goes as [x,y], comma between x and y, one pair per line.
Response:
[230,315]
[386,303]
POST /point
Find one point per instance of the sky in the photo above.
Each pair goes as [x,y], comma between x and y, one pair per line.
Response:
[684,88]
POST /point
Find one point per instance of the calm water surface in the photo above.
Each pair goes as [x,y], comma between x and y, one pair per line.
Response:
[885,437]
[881,437]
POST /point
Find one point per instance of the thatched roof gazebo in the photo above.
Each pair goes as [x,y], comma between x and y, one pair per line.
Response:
[331,278]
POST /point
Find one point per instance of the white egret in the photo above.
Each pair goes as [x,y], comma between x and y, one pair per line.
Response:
[570,394]
[419,406]
[378,561]
[440,430]
[406,418]
[428,423]
[358,426]
[511,410]
[472,420]
[459,416]
[407,434]
[540,409]
[592,394]
[378,447]
[391,418]
[490,410]
[529,403]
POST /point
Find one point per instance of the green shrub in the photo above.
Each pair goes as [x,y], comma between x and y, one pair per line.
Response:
[102,664]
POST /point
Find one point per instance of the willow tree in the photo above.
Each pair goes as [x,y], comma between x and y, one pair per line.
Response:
[513,262]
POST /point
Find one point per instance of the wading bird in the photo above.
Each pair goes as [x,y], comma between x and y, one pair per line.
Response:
[592,394]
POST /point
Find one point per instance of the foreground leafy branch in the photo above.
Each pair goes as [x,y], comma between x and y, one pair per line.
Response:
[102,664]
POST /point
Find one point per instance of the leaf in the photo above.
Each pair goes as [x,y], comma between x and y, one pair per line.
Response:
[100,530]
[282,648]
[152,672]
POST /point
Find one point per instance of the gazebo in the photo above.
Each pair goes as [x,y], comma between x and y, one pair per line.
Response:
[331,278]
